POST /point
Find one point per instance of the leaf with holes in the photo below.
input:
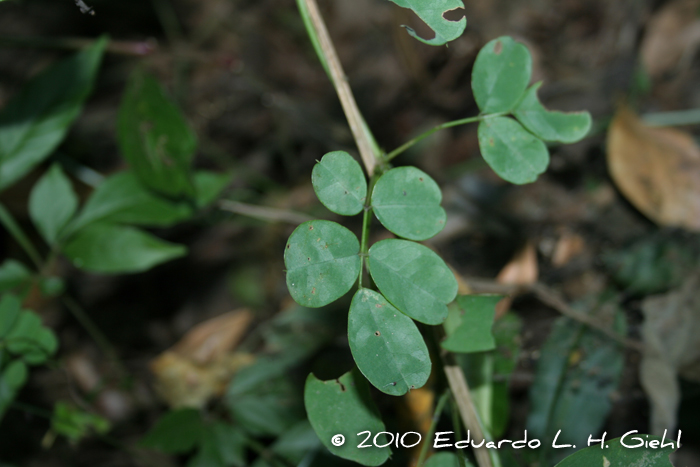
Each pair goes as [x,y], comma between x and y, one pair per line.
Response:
[432,12]
[407,202]
[386,344]
[617,454]
[344,407]
[565,127]
[413,278]
[514,153]
[473,332]
[501,74]
[323,262]
[52,203]
[340,184]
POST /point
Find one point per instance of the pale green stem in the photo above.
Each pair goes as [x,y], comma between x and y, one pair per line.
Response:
[366,221]
[433,425]
[442,126]
[681,117]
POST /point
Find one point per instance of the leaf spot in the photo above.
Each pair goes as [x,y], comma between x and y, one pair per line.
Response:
[606,462]
[311,227]
[377,333]
[498,48]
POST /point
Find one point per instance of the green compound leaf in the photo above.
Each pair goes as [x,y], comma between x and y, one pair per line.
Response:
[155,137]
[473,332]
[75,424]
[386,344]
[512,152]
[565,127]
[340,184]
[37,119]
[344,407]
[501,74]
[407,202]
[121,198]
[30,339]
[13,274]
[432,12]
[10,307]
[323,262]
[616,454]
[112,249]
[52,203]
[413,278]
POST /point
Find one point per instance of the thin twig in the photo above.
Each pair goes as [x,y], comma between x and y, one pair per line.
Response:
[550,297]
[342,88]
[433,425]
[264,213]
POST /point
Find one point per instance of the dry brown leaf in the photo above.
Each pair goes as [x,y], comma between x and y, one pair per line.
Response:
[657,169]
[417,415]
[568,246]
[670,331]
[201,364]
[672,35]
[521,270]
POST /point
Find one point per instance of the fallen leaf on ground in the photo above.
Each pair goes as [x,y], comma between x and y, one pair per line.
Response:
[657,169]
[568,246]
[521,270]
[673,34]
[200,365]
[670,332]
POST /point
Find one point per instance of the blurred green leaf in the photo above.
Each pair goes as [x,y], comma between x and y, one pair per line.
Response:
[514,153]
[617,454]
[406,201]
[340,184]
[76,424]
[209,186]
[222,445]
[387,346]
[155,137]
[29,339]
[445,459]
[344,406]
[432,13]
[37,119]
[13,274]
[52,203]
[413,278]
[51,286]
[323,262]
[176,432]
[565,127]
[472,331]
[500,75]
[10,307]
[111,249]
[122,199]
[12,378]
[576,375]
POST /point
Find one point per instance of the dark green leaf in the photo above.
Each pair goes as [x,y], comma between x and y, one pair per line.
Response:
[407,202]
[222,445]
[76,424]
[176,432]
[432,13]
[209,186]
[343,407]
[13,274]
[473,333]
[386,345]
[550,125]
[36,120]
[12,379]
[413,278]
[122,199]
[501,74]
[339,183]
[155,137]
[578,372]
[617,454]
[445,459]
[323,262]
[52,203]
[30,339]
[107,248]
[514,153]
[10,307]
[51,286]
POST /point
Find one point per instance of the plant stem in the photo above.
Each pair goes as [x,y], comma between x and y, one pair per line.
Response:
[15,230]
[264,213]
[316,28]
[681,117]
[433,425]
[457,425]
[442,126]
[366,223]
